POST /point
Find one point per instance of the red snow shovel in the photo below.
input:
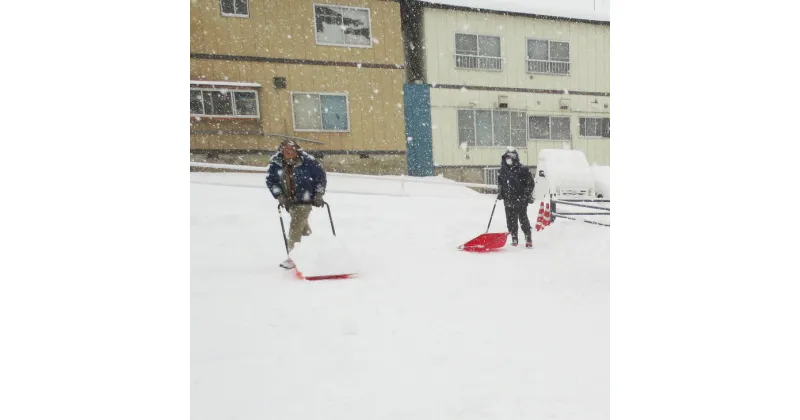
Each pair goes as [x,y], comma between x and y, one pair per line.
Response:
[327,276]
[488,241]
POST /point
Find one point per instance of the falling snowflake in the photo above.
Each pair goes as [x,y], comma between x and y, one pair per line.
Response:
[375,91]
[465,27]
[375,40]
[289,36]
[399,105]
[566,92]
[225,77]
[463,88]
[358,65]
[409,139]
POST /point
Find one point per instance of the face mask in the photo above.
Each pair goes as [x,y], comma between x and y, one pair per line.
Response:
[509,161]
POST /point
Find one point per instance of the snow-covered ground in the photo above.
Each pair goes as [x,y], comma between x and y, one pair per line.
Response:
[425,331]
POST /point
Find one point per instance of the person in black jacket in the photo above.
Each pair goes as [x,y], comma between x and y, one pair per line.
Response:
[515,188]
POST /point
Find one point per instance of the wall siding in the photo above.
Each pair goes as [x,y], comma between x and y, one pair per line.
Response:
[446,102]
[589,51]
[376,122]
[589,73]
[284,29]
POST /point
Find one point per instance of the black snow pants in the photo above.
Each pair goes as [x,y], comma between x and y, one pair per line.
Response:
[518,213]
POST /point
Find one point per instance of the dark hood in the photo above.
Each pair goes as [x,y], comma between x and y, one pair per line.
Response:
[513,155]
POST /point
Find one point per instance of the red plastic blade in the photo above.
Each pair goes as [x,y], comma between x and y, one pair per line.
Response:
[486,242]
[324,277]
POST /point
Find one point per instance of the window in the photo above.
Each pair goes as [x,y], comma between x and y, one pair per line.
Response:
[320,112]
[487,128]
[342,26]
[478,52]
[223,103]
[238,8]
[549,128]
[548,57]
[596,127]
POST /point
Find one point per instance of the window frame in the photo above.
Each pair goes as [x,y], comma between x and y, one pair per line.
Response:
[477,56]
[550,127]
[234,14]
[528,60]
[601,136]
[233,103]
[329,44]
[314,130]
[492,111]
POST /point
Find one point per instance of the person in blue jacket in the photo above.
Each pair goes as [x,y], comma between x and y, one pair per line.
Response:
[298,182]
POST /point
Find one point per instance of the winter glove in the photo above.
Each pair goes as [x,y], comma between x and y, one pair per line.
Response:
[282,200]
[318,201]
[500,197]
[530,199]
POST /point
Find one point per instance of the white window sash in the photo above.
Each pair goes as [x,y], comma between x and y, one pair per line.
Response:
[233,103]
[319,104]
[343,44]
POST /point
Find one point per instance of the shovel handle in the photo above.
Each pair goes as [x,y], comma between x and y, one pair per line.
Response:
[490,217]
[330,217]
[283,229]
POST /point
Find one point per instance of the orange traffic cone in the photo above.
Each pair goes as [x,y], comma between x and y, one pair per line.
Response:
[547,215]
[540,219]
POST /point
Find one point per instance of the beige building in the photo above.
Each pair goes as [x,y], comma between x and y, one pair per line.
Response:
[329,73]
[511,79]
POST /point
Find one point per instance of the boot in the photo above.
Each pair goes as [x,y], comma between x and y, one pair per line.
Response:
[514,240]
[528,241]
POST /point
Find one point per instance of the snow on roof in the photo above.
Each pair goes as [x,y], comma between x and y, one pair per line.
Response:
[222,83]
[597,10]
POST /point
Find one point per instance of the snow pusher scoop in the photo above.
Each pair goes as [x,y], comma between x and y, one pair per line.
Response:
[320,258]
[487,241]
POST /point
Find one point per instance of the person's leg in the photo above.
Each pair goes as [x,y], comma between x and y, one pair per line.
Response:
[525,222]
[299,213]
[511,222]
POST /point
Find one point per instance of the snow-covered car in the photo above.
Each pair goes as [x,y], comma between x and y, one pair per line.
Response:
[563,173]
